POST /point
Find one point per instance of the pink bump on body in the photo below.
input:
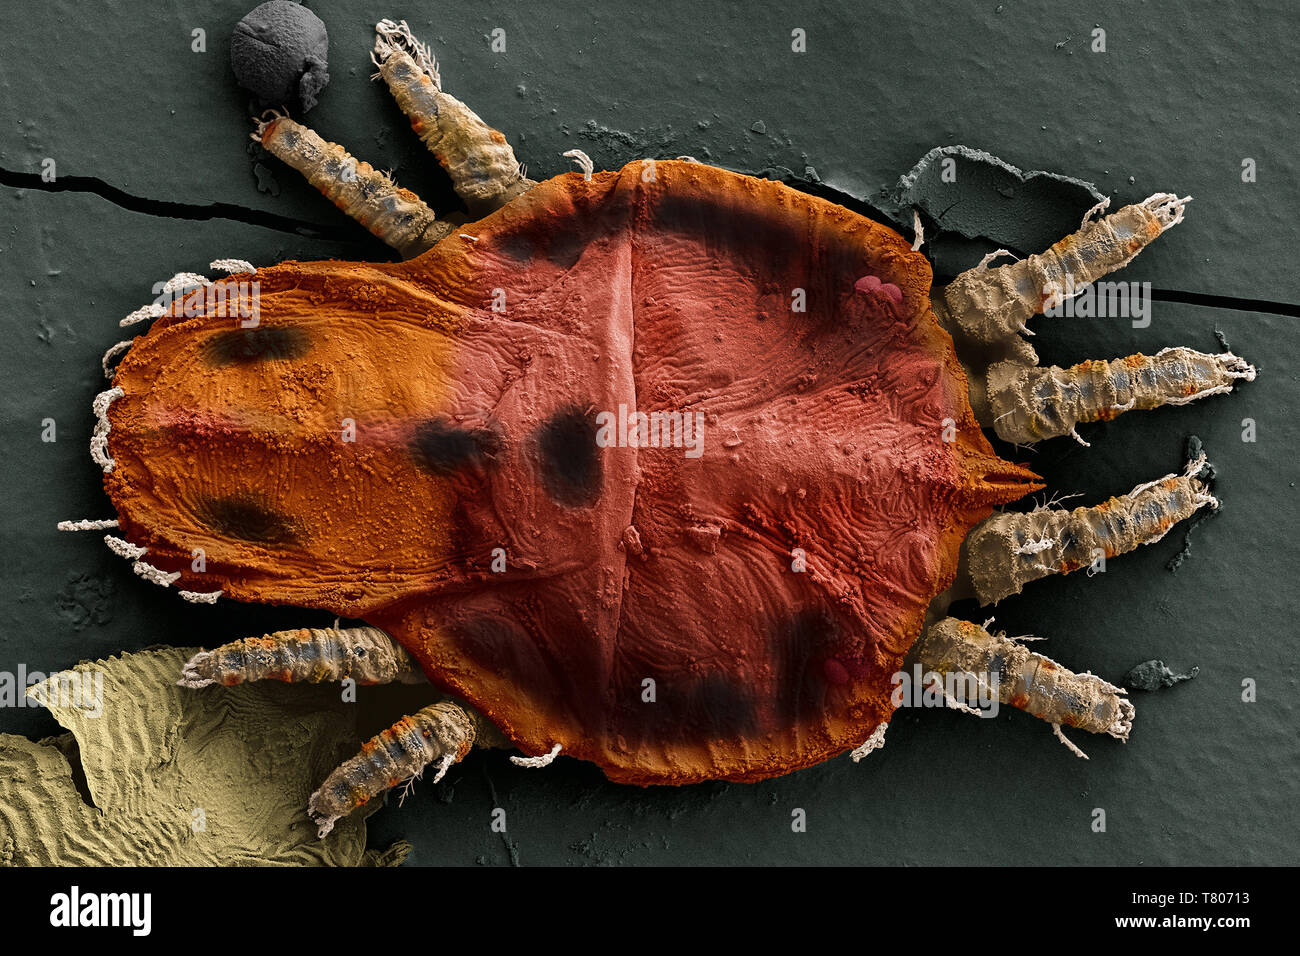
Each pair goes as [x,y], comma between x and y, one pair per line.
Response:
[835,672]
[870,283]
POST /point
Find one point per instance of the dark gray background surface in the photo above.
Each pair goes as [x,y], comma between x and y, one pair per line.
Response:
[1184,92]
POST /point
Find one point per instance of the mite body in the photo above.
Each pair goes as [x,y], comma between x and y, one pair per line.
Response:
[418,444]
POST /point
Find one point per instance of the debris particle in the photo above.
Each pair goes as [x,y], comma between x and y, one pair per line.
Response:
[1153,675]
[1195,448]
[266,181]
[279,52]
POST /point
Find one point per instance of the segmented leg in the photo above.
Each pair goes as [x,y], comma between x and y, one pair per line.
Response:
[443,732]
[479,160]
[1029,403]
[314,656]
[1008,550]
[1031,682]
[986,311]
[396,215]
[988,305]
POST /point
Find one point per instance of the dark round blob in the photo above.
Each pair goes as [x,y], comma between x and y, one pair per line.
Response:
[445,448]
[247,519]
[570,459]
[246,346]
[279,53]
[1153,675]
[801,648]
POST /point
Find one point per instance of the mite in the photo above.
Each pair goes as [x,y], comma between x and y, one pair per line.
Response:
[417,445]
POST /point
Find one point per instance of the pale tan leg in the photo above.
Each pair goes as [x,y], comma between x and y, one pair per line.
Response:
[987,311]
[1029,403]
[987,305]
[396,215]
[1009,549]
[479,160]
[307,655]
[442,733]
[1032,682]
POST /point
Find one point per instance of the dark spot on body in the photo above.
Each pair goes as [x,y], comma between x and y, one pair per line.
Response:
[444,448]
[686,707]
[802,646]
[495,643]
[713,706]
[517,246]
[562,248]
[245,346]
[720,706]
[565,248]
[500,643]
[248,519]
[569,458]
[749,234]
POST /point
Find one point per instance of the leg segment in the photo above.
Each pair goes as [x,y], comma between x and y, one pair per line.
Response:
[1029,403]
[986,311]
[1031,682]
[479,160]
[397,216]
[314,656]
[989,305]
[1008,550]
[442,732]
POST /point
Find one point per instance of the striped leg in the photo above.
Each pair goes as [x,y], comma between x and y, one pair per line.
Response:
[479,160]
[989,305]
[987,310]
[1029,403]
[1008,550]
[396,215]
[314,656]
[1021,678]
[443,732]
